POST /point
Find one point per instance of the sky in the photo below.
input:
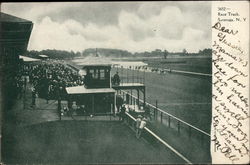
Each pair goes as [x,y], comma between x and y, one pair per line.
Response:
[132,26]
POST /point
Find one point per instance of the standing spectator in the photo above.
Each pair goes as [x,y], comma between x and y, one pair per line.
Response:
[33,93]
[138,123]
[141,127]
[74,108]
[122,113]
[116,79]
[119,102]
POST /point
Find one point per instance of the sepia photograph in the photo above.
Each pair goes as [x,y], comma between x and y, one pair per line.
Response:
[106,82]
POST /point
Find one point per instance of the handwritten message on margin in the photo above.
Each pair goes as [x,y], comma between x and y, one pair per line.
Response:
[230,115]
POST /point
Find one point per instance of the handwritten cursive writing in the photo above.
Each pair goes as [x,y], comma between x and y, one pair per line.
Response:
[230,102]
[223,29]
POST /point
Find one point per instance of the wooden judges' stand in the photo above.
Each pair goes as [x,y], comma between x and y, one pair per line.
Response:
[98,95]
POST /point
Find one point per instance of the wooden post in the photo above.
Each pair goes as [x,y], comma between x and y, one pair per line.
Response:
[155,113]
[189,131]
[168,121]
[161,117]
[93,104]
[144,97]
[156,105]
[178,126]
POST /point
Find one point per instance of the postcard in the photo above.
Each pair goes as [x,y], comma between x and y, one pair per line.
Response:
[137,82]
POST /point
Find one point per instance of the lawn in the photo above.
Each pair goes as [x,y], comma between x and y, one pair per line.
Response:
[72,142]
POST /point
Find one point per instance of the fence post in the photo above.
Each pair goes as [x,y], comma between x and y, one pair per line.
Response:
[161,117]
[168,121]
[156,109]
[178,126]
[155,113]
[189,131]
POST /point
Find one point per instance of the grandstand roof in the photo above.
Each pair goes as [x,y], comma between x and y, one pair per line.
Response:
[28,59]
[15,32]
[10,18]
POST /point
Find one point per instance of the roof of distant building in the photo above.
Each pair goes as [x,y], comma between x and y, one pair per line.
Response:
[42,55]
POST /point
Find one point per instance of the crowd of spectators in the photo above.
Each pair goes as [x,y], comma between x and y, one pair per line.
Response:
[50,78]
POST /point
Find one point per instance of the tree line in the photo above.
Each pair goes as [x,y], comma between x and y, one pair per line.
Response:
[105,52]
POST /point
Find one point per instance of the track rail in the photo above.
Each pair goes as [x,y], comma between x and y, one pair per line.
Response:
[162,111]
[162,141]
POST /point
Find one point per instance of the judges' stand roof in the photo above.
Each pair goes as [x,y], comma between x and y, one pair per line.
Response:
[83,90]
[128,86]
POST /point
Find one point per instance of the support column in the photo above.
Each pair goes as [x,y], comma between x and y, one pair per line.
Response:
[114,106]
[133,74]
[131,97]
[144,98]
[121,77]
[138,97]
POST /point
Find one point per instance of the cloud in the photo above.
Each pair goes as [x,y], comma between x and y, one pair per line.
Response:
[134,27]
